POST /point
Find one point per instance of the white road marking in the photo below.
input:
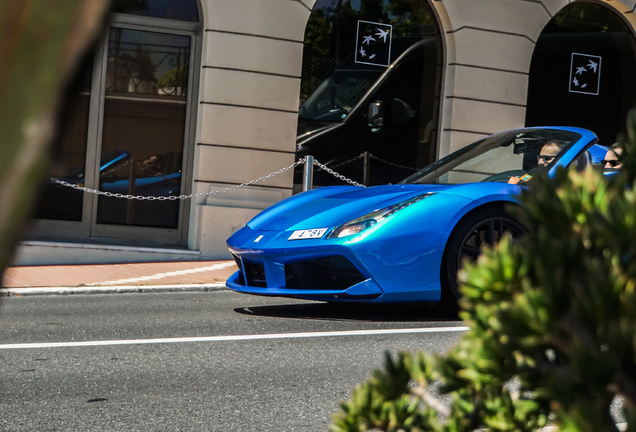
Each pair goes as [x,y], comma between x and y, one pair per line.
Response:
[235,337]
[218,266]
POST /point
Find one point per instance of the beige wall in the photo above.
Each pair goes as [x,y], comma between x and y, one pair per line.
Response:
[250,84]
[489,48]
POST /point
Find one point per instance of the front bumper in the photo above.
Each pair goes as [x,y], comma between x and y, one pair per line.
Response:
[366,290]
[334,270]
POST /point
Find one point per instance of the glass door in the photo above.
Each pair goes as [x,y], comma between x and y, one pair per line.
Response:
[126,133]
[142,140]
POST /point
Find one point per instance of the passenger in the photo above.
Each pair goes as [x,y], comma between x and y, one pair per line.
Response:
[549,151]
[611,159]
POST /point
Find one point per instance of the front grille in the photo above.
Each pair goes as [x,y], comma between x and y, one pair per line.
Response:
[328,273]
[241,278]
[255,274]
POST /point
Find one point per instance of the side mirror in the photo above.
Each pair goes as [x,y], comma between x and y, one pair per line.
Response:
[376,115]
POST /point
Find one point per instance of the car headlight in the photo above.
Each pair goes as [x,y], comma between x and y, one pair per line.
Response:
[362,223]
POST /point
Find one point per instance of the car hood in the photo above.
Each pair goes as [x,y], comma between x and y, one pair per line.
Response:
[333,206]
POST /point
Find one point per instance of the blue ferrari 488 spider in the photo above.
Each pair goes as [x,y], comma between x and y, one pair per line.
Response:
[402,242]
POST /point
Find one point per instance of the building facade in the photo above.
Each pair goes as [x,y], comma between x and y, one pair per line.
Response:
[194,97]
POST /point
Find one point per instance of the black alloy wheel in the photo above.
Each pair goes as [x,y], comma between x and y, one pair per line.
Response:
[483,227]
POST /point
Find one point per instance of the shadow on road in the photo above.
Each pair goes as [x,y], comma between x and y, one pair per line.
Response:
[353,312]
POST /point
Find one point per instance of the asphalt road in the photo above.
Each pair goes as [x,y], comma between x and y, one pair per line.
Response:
[225,362]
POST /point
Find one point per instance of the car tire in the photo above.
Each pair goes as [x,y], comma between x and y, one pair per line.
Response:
[483,226]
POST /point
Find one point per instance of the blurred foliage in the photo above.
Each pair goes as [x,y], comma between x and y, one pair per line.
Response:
[42,42]
[552,320]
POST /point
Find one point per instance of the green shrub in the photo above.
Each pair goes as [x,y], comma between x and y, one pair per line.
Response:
[552,320]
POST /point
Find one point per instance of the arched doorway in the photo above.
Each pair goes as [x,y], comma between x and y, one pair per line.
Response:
[128,130]
[582,71]
[370,88]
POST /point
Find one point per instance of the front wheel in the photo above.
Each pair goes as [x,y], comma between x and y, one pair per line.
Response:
[482,227]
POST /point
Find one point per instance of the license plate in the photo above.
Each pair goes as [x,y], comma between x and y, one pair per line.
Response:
[308,234]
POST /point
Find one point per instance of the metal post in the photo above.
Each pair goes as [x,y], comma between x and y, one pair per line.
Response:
[130,205]
[366,168]
[308,173]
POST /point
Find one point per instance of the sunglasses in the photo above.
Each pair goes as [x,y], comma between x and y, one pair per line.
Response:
[612,162]
[546,158]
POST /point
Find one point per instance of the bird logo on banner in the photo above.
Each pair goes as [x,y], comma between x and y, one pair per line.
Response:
[373,43]
[585,74]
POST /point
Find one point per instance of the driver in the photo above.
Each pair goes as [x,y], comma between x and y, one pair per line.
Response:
[153,166]
[549,151]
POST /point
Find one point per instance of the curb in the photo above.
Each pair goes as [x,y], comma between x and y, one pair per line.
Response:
[122,289]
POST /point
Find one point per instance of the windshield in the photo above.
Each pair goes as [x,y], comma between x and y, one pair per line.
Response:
[338,94]
[507,157]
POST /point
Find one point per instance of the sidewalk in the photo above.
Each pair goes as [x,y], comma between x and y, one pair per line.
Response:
[116,278]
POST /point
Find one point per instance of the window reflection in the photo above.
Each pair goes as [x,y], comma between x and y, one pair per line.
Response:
[59,202]
[147,63]
[144,123]
[338,94]
[589,32]
[342,78]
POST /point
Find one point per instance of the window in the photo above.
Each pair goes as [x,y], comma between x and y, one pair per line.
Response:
[359,53]
[127,131]
[582,71]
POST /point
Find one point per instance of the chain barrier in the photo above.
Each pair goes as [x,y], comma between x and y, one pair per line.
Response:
[336,174]
[391,163]
[360,156]
[204,194]
[174,198]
